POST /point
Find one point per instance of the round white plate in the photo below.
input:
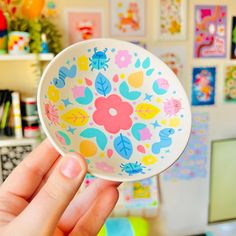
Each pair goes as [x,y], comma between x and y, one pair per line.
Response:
[117,105]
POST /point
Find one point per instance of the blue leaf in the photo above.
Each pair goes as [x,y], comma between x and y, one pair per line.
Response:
[101,138]
[130,95]
[146,63]
[149,72]
[123,146]
[102,84]
[137,64]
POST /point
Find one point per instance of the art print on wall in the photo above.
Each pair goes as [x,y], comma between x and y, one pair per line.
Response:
[174,57]
[127,17]
[83,24]
[193,162]
[210,31]
[230,84]
[233,39]
[171,19]
[203,86]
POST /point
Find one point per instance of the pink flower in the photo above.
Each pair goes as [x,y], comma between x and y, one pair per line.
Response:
[122,58]
[113,113]
[51,113]
[104,167]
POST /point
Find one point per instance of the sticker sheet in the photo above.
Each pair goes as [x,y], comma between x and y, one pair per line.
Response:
[230,83]
[203,86]
[193,162]
[128,17]
[210,31]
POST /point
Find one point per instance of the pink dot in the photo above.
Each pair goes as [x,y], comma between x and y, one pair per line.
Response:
[134,103]
[91,123]
[90,108]
[111,137]
[115,89]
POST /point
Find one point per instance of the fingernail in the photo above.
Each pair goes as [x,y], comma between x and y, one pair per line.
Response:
[70,168]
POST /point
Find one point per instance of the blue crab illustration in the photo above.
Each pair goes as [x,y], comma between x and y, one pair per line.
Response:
[99,60]
[132,168]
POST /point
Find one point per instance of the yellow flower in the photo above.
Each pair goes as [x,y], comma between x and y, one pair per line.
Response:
[175,27]
[149,160]
[83,63]
[53,94]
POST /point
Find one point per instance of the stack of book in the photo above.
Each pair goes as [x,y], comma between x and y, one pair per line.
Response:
[18,118]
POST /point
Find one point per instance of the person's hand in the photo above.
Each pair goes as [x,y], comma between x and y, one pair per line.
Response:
[39,197]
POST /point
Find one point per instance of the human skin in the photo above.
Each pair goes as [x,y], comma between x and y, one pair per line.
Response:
[40,197]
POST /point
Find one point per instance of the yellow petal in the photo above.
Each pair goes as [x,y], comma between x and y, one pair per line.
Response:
[146,111]
[75,117]
[136,79]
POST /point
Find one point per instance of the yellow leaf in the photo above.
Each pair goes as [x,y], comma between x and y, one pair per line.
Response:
[146,111]
[75,117]
[136,79]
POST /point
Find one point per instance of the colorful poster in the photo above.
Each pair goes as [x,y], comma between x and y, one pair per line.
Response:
[230,84]
[233,46]
[127,17]
[203,86]
[210,31]
[174,57]
[83,24]
[172,19]
[193,162]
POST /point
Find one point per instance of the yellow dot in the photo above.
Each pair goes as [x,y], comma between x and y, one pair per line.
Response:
[158,100]
[87,148]
[80,81]
[122,76]
[63,126]
[163,122]
[102,154]
[147,145]
[61,107]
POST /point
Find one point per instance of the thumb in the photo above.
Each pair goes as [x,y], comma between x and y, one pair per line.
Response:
[45,210]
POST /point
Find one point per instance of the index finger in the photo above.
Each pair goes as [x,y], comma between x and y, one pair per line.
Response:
[27,176]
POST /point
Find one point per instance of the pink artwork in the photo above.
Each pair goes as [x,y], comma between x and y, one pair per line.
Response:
[83,24]
[210,31]
[127,17]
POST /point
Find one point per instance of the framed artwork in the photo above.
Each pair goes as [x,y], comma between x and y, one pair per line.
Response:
[230,83]
[210,31]
[203,86]
[82,24]
[174,57]
[128,18]
[192,164]
[233,38]
[171,22]
[13,152]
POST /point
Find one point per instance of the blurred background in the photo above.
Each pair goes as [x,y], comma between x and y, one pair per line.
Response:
[197,40]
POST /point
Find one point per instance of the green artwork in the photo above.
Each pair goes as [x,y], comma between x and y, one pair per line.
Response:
[230,84]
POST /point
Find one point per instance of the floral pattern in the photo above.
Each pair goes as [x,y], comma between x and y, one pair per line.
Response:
[113,114]
[117,107]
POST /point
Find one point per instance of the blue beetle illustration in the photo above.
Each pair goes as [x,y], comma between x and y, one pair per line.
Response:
[99,60]
[132,168]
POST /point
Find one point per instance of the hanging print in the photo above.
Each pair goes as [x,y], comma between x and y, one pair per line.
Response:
[171,19]
[203,86]
[230,83]
[210,31]
[83,24]
[233,39]
[127,17]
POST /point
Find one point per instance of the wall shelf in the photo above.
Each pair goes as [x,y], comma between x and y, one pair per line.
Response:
[27,57]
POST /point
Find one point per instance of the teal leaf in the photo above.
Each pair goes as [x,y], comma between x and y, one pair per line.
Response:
[101,138]
[102,84]
[149,72]
[123,146]
[87,98]
[126,93]
[137,63]
[146,63]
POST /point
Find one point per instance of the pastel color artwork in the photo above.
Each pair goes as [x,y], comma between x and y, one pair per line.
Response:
[114,104]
